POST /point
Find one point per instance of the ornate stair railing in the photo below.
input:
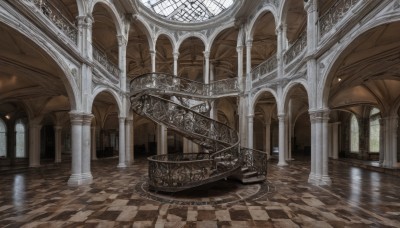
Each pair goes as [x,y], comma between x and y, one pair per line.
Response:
[296,48]
[264,68]
[101,58]
[254,160]
[54,15]
[176,172]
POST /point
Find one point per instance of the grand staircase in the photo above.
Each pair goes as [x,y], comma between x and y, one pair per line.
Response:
[182,105]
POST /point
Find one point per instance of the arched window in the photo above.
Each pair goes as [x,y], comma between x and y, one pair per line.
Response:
[374,130]
[3,139]
[20,139]
[354,135]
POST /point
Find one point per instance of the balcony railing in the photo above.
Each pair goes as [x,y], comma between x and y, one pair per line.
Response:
[264,68]
[225,86]
[101,58]
[296,48]
[55,16]
[339,9]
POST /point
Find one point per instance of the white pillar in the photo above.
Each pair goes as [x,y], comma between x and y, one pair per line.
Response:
[176,55]
[268,138]
[318,148]
[34,145]
[153,61]
[280,47]
[121,146]
[57,134]
[282,128]
[249,44]
[162,147]
[129,141]
[207,67]
[390,146]
[250,131]
[86,175]
[93,143]
[381,141]
[122,45]
[311,178]
[239,50]
[325,179]
[76,140]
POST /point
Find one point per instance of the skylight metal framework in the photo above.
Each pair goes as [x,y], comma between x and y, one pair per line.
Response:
[188,10]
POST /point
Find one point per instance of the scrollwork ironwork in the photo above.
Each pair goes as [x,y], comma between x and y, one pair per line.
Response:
[265,68]
[334,14]
[296,48]
[59,20]
[101,58]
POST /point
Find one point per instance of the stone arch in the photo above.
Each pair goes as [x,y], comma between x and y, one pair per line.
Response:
[334,62]
[215,34]
[288,88]
[69,76]
[151,39]
[113,13]
[113,93]
[192,34]
[267,8]
[253,101]
[170,38]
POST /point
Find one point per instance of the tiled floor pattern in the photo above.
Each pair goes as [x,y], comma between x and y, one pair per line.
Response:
[41,198]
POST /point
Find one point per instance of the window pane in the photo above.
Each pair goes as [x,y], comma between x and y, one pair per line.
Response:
[354,139]
[3,139]
[20,139]
[374,131]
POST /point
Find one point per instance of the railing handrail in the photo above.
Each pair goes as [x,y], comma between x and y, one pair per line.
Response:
[272,62]
[298,45]
[109,66]
[71,32]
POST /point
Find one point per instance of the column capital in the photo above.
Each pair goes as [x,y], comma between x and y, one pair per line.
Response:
[249,43]
[76,117]
[250,116]
[122,41]
[85,21]
[176,55]
[279,29]
[206,54]
[152,52]
[319,115]
[122,119]
[239,48]
[87,118]
[281,116]
[310,6]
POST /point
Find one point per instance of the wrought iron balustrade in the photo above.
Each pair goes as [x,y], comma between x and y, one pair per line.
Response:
[174,84]
[225,86]
[176,172]
[334,14]
[254,160]
[55,16]
[296,48]
[102,59]
[264,68]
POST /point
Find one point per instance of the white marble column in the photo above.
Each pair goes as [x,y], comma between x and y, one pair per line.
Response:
[162,147]
[249,44]
[239,50]
[121,146]
[153,61]
[176,56]
[325,179]
[282,144]
[381,141]
[250,131]
[122,46]
[129,141]
[268,138]
[280,47]
[93,143]
[76,140]
[206,67]
[311,178]
[390,142]
[34,145]
[57,136]
[87,177]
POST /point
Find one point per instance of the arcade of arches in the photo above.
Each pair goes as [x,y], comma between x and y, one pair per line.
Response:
[318,81]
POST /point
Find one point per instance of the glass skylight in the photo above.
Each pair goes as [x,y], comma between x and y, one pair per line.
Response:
[188,10]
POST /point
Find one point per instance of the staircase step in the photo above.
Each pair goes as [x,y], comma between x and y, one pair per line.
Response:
[244,169]
[249,174]
[253,179]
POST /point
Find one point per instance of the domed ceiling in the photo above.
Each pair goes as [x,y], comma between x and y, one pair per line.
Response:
[188,11]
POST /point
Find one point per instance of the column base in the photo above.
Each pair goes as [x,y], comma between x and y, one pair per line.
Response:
[34,165]
[325,180]
[284,163]
[87,178]
[121,165]
[311,179]
[75,180]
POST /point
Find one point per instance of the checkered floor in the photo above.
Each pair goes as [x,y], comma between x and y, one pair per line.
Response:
[41,198]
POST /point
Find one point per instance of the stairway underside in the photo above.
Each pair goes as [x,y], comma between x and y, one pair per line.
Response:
[224,157]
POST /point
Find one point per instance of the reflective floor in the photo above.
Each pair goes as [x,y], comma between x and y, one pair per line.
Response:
[357,198]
